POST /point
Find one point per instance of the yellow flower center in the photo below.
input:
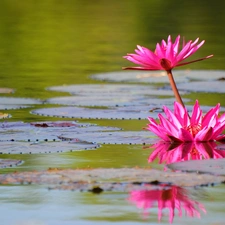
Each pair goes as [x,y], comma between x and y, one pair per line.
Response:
[194,129]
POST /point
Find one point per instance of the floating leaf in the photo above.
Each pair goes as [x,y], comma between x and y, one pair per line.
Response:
[211,166]
[128,112]
[203,75]
[138,76]
[203,86]
[18,101]
[58,124]
[120,137]
[112,90]
[8,107]
[99,100]
[37,147]
[88,113]
[108,95]
[181,76]
[107,179]
[6,163]
[45,131]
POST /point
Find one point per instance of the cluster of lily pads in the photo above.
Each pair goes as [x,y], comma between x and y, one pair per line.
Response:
[130,99]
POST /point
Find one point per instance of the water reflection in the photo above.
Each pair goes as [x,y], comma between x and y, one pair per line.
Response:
[167,197]
[170,153]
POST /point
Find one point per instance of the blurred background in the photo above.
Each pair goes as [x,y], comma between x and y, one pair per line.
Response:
[55,42]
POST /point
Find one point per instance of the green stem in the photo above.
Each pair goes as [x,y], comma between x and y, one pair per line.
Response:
[174,87]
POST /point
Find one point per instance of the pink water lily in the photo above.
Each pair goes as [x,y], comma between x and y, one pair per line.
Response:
[170,197]
[179,126]
[165,57]
[167,153]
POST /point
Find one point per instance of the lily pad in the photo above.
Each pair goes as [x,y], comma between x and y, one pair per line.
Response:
[18,101]
[9,107]
[203,86]
[88,113]
[113,90]
[56,132]
[123,113]
[210,166]
[138,77]
[85,179]
[99,100]
[120,137]
[7,163]
[180,76]
[204,75]
[45,131]
[109,95]
[37,147]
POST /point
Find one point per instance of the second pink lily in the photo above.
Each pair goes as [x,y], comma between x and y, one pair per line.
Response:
[180,127]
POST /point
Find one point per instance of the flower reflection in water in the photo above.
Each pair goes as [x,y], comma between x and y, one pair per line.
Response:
[177,152]
[170,197]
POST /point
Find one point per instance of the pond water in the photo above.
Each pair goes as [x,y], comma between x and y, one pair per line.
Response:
[50,43]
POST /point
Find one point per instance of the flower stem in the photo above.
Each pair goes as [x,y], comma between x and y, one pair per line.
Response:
[174,87]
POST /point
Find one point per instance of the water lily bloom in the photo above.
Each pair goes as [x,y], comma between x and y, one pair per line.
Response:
[165,57]
[179,126]
[170,197]
[169,153]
